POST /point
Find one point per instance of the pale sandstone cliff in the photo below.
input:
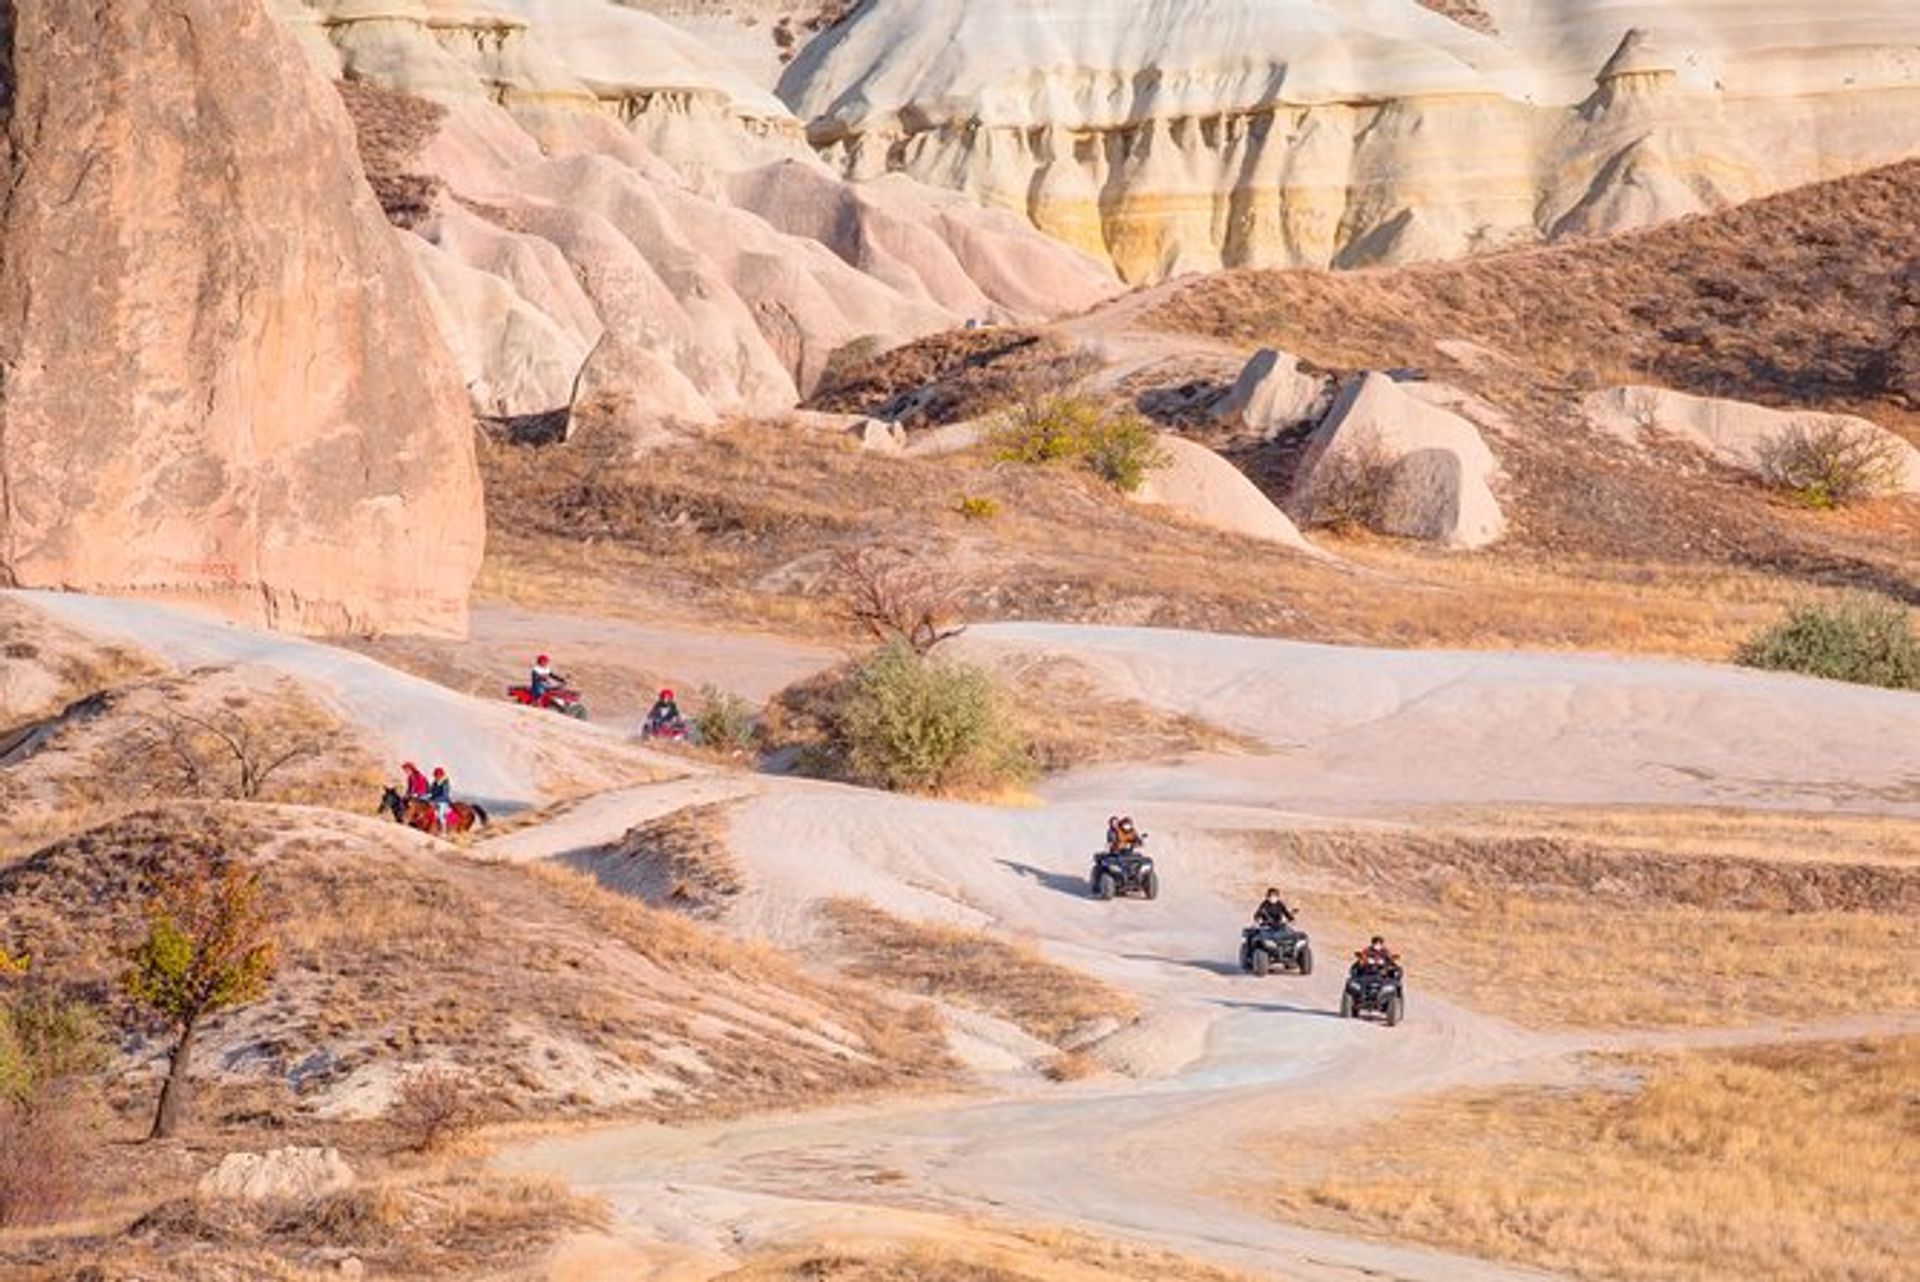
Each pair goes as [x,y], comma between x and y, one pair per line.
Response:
[1176,135]
[218,376]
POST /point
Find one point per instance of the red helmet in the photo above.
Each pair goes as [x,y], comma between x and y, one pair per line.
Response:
[439,772]
[542,660]
[667,695]
[408,765]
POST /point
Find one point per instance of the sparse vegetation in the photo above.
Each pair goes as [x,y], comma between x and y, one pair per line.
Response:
[209,948]
[434,1108]
[1350,487]
[912,723]
[725,721]
[1862,640]
[1831,462]
[1792,1161]
[977,507]
[1116,445]
[232,750]
[972,968]
[898,598]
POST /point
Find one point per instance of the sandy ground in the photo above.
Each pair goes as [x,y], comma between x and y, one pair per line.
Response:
[1216,1055]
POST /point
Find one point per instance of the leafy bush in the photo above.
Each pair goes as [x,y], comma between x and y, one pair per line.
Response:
[977,507]
[1118,446]
[725,720]
[1830,463]
[1863,640]
[909,722]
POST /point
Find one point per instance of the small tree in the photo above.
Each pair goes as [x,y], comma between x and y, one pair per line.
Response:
[433,1108]
[896,598]
[230,751]
[208,949]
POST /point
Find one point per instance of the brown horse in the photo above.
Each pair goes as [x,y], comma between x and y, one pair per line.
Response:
[463,816]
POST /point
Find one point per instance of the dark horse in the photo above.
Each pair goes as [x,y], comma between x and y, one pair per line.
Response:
[463,816]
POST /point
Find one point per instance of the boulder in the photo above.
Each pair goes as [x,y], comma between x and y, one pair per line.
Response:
[1273,394]
[1208,490]
[278,1175]
[1433,465]
[878,436]
[222,381]
[1734,432]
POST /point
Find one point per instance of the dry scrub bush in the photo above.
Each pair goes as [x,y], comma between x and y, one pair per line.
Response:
[894,597]
[1116,445]
[1863,640]
[1349,487]
[1831,463]
[725,721]
[911,723]
[48,1047]
[434,1108]
[42,1166]
[231,750]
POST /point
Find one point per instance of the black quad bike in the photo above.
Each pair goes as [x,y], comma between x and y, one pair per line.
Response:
[1124,872]
[1374,990]
[1266,948]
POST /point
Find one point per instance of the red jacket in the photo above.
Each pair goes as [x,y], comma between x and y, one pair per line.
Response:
[416,784]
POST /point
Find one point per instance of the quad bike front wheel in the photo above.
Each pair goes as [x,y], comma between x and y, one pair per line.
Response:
[1103,886]
[1152,885]
[1346,1006]
[578,711]
[1396,1007]
[1306,959]
[1262,961]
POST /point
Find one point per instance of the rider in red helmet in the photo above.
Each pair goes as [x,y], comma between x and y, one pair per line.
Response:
[416,782]
[542,678]
[440,794]
[665,715]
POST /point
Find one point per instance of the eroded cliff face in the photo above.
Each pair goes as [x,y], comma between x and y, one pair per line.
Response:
[1174,135]
[218,375]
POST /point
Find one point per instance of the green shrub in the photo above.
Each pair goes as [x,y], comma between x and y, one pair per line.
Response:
[1831,463]
[977,507]
[1123,449]
[1116,445]
[908,722]
[47,1041]
[725,720]
[1863,640]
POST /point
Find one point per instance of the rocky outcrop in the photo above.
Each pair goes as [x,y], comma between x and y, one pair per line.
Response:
[1735,433]
[1176,135]
[1274,394]
[1416,468]
[1206,489]
[284,1175]
[623,218]
[218,377]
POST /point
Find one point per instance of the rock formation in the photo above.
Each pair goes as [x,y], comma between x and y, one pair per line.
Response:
[218,377]
[1206,489]
[1735,433]
[1431,468]
[1176,135]
[1273,394]
[621,216]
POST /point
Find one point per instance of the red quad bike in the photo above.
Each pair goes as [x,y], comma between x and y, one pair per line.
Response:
[557,698]
[668,730]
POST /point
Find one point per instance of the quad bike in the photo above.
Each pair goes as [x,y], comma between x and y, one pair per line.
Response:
[1373,990]
[667,729]
[1263,948]
[558,698]
[1124,872]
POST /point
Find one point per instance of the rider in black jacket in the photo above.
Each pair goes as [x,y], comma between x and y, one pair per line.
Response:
[1272,912]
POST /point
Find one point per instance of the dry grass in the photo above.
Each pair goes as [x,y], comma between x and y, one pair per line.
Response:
[45,666]
[1739,834]
[444,1224]
[971,968]
[1794,1162]
[943,1252]
[1070,723]
[1529,927]
[945,378]
[681,861]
